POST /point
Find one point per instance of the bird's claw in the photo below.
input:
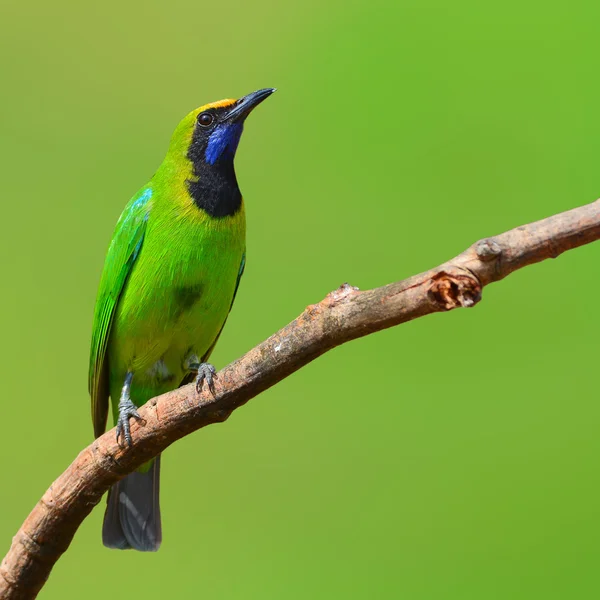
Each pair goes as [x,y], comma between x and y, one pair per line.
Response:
[206,372]
[127,410]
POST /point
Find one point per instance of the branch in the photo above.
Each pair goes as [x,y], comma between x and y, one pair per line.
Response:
[343,315]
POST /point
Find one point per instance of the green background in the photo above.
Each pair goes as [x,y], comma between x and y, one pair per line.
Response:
[453,457]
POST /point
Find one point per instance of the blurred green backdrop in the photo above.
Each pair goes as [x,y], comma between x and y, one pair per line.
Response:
[452,457]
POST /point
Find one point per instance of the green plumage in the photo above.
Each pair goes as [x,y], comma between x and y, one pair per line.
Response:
[167,287]
[171,273]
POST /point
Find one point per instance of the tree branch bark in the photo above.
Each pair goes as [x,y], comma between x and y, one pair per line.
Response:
[343,315]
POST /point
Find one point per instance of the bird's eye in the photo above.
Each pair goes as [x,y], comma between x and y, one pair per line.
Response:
[205,119]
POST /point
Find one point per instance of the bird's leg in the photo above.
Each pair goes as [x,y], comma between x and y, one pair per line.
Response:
[127,410]
[205,372]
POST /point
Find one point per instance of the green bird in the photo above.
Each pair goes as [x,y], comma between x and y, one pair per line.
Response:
[170,277]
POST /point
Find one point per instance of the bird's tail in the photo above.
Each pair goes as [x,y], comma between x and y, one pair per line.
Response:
[132,517]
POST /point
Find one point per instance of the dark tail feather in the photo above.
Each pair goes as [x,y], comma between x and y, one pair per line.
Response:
[132,517]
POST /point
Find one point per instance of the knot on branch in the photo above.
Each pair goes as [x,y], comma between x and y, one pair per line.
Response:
[454,290]
[344,291]
[487,250]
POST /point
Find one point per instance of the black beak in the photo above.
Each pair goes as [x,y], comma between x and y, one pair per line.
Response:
[244,106]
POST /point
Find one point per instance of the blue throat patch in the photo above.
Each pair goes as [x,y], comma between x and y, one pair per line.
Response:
[223,142]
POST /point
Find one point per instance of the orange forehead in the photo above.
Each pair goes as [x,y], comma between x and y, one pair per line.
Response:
[219,104]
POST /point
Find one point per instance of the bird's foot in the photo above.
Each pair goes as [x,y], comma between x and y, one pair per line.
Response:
[127,410]
[206,372]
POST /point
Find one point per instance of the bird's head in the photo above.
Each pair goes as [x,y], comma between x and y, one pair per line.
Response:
[210,134]
[202,151]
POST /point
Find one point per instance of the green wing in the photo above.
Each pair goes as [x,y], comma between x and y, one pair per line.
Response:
[189,377]
[122,253]
[237,283]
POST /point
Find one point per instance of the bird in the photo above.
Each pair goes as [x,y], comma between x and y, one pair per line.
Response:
[170,277]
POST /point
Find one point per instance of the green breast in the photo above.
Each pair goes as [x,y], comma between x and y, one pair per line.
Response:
[177,298]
